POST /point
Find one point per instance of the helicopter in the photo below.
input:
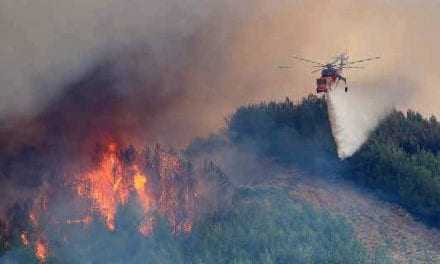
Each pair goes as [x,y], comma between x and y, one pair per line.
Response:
[331,72]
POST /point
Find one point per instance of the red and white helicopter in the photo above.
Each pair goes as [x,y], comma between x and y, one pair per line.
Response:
[331,72]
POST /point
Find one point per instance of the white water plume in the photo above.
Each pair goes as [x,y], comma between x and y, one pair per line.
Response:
[354,114]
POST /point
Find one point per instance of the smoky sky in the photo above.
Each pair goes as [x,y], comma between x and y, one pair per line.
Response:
[213,56]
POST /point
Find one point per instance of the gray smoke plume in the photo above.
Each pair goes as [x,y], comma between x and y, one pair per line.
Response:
[235,47]
[171,70]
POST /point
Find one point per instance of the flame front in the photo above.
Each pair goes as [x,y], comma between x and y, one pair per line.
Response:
[41,251]
[140,184]
[106,186]
[157,181]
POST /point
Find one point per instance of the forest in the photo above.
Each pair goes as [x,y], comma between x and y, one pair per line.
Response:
[400,159]
[263,225]
[258,223]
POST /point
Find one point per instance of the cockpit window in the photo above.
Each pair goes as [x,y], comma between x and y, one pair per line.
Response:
[321,81]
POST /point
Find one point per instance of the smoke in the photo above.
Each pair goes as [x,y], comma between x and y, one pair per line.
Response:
[354,114]
[94,243]
[127,98]
[167,71]
[231,51]
[241,164]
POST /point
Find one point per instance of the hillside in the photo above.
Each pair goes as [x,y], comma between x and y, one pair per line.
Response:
[376,222]
[269,188]
[290,145]
[199,214]
[400,159]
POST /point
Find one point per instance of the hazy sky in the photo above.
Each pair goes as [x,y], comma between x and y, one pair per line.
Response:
[235,47]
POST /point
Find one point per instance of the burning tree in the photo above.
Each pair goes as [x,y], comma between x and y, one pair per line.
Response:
[159,181]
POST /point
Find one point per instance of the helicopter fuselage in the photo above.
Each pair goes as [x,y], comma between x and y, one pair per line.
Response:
[329,77]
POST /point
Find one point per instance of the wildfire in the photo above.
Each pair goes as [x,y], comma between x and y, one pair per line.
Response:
[156,180]
[105,186]
[41,251]
[33,218]
[24,239]
[140,185]
[112,183]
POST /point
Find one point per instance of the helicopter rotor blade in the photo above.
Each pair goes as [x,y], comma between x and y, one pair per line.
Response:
[284,67]
[307,60]
[317,70]
[350,67]
[328,65]
[363,60]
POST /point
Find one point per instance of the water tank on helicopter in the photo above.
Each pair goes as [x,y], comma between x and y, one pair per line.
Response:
[323,84]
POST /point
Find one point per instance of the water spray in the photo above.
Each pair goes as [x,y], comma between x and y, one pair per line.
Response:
[353,116]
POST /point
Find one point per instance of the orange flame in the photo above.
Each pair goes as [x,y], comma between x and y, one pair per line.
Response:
[140,185]
[33,219]
[105,187]
[24,239]
[41,251]
[111,183]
